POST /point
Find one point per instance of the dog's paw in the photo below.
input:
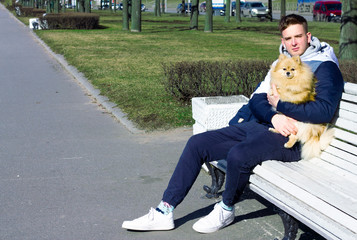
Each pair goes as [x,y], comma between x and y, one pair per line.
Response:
[273,130]
[287,145]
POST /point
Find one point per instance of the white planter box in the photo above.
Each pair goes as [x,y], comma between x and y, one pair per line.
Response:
[34,23]
[215,112]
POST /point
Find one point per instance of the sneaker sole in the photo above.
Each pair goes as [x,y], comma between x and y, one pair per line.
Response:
[150,228]
[211,230]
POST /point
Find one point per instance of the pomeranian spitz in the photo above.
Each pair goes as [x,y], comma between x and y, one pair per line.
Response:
[295,83]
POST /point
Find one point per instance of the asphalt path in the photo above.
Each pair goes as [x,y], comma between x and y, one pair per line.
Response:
[72,170]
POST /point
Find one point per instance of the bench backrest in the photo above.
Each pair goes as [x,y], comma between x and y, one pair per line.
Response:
[343,149]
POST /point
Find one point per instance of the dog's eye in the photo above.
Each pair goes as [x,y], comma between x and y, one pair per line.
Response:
[293,69]
[284,69]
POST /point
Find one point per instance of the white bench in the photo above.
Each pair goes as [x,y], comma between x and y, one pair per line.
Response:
[321,193]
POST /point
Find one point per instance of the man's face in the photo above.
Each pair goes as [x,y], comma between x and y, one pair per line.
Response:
[295,40]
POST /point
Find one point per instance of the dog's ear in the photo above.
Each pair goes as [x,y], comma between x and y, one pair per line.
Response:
[297,59]
[282,57]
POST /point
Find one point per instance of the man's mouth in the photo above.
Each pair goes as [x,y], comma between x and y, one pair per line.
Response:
[296,49]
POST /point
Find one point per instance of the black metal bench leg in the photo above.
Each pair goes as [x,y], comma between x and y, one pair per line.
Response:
[291,226]
[218,177]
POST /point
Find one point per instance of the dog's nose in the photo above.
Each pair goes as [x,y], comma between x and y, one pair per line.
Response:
[288,74]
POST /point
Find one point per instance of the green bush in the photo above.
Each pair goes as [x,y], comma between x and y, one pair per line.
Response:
[185,80]
[348,69]
[31,12]
[70,21]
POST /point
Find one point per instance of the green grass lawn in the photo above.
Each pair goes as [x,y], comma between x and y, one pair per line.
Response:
[127,67]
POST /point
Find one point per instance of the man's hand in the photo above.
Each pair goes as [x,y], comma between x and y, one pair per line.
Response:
[273,96]
[284,125]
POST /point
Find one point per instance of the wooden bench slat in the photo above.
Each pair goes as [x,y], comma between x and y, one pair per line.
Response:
[332,167]
[348,115]
[312,181]
[346,136]
[349,160]
[341,163]
[323,225]
[320,176]
[349,97]
[315,202]
[347,105]
[350,88]
[344,146]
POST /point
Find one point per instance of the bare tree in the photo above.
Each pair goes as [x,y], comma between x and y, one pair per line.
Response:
[209,17]
[348,35]
[194,15]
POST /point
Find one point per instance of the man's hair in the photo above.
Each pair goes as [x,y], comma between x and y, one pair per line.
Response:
[292,19]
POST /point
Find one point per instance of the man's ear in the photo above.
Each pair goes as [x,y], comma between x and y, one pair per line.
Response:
[282,42]
[308,37]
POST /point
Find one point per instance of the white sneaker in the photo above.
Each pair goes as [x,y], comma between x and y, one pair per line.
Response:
[217,219]
[153,221]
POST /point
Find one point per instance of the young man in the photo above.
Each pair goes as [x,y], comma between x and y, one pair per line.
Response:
[245,144]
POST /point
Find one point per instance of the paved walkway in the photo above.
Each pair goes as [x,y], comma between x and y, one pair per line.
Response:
[70,170]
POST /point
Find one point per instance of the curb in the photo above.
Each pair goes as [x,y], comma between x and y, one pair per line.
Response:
[110,107]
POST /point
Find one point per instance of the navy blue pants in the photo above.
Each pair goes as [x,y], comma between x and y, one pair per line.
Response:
[244,146]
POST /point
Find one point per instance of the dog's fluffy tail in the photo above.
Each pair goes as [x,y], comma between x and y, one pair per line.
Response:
[313,147]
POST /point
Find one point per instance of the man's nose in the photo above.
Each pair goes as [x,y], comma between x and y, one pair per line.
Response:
[293,42]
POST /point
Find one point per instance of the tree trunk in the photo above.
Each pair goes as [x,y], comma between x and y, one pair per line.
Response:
[227,16]
[56,6]
[194,15]
[87,6]
[348,35]
[136,16]
[270,7]
[183,10]
[125,15]
[81,6]
[283,8]
[163,6]
[209,17]
[157,11]
[238,16]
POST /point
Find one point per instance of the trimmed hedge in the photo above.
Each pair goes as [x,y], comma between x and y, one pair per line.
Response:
[185,80]
[348,70]
[31,12]
[70,21]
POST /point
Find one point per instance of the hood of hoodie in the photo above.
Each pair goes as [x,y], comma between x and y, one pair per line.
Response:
[315,54]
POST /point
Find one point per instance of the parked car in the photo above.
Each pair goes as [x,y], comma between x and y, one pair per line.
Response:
[254,9]
[187,8]
[234,6]
[327,11]
[203,7]
[143,7]
[117,7]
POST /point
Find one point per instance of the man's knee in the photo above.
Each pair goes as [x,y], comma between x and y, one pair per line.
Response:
[197,141]
[240,157]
